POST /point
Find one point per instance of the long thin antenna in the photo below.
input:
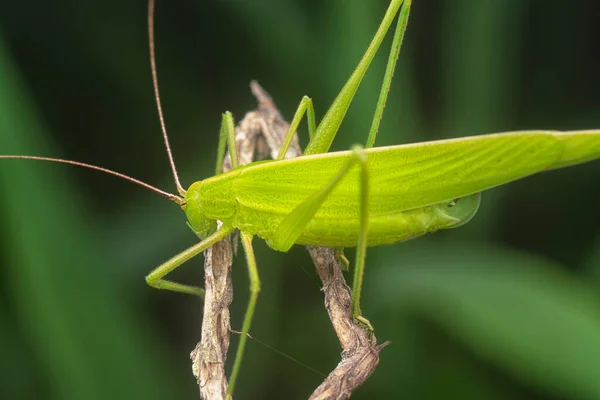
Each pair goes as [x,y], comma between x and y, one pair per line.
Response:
[168,195]
[157,96]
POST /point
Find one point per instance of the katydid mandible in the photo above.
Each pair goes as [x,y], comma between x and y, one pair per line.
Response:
[363,197]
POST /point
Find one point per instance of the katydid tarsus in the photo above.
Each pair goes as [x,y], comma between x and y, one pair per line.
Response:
[363,197]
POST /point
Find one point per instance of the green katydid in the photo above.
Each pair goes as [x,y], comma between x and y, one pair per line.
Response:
[363,197]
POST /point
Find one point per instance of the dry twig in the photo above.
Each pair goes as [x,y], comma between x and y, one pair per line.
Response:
[259,133]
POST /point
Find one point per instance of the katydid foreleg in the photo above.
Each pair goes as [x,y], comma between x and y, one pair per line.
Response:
[155,277]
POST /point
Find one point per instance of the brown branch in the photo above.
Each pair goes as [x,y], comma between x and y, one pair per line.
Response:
[259,133]
[210,354]
[360,352]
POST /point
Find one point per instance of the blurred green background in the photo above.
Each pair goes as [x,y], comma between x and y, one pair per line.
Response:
[506,307]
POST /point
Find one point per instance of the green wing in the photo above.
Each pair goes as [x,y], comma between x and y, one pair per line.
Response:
[414,175]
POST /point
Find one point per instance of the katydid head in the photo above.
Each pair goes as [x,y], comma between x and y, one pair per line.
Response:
[197,219]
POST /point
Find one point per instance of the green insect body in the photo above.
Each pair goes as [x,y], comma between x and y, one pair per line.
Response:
[410,192]
[357,198]
[327,227]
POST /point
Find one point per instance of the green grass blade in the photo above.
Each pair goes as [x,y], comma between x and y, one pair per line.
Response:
[521,313]
[88,341]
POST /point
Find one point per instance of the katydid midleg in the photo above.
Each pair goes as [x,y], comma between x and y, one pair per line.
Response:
[363,197]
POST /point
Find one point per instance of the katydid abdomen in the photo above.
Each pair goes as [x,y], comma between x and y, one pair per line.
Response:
[332,231]
[218,200]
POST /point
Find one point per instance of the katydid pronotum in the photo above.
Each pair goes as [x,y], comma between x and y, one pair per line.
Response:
[363,197]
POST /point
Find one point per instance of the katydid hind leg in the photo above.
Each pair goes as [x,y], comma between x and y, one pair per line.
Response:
[254,291]
[155,277]
[292,226]
[329,125]
[323,137]
[361,245]
[389,72]
[305,106]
